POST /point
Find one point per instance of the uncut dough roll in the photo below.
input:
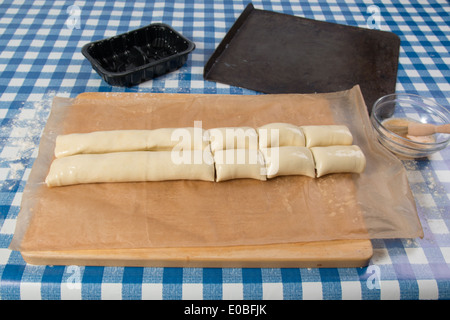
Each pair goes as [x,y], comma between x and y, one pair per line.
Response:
[238,164]
[338,159]
[327,135]
[280,134]
[288,160]
[163,139]
[135,166]
[232,138]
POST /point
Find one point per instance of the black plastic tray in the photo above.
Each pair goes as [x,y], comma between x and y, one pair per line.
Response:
[278,53]
[139,55]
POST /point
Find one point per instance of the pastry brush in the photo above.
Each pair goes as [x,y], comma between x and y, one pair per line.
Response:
[405,127]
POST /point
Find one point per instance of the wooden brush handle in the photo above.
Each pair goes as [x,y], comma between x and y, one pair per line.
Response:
[445,128]
[423,129]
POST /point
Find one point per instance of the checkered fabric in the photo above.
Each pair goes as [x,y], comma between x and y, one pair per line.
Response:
[40,58]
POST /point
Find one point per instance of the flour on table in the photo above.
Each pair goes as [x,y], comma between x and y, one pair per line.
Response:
[22,139]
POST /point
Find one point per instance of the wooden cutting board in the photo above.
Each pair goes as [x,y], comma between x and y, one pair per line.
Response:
[322,254]
[336,253]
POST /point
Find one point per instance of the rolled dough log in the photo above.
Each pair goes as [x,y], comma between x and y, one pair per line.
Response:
[327,135]
[238,164]
[134,166]
[280,134]
[288,160]
[163,139]
[338,159]
[233,138]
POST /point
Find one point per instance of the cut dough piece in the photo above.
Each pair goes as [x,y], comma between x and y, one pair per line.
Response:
[239,164]
[233,138]
[288,160]
[131,167]
[163,139]
[327,135]
[338,159]
[280,134]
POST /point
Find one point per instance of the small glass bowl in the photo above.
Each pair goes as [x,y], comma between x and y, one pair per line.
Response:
[413,108]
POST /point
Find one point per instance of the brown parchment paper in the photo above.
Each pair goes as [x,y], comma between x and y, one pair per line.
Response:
[375,204]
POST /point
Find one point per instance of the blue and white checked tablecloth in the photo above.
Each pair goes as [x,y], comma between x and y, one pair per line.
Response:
[40,58]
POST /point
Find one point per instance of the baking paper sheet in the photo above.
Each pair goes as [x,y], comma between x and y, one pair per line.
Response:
[375,204]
